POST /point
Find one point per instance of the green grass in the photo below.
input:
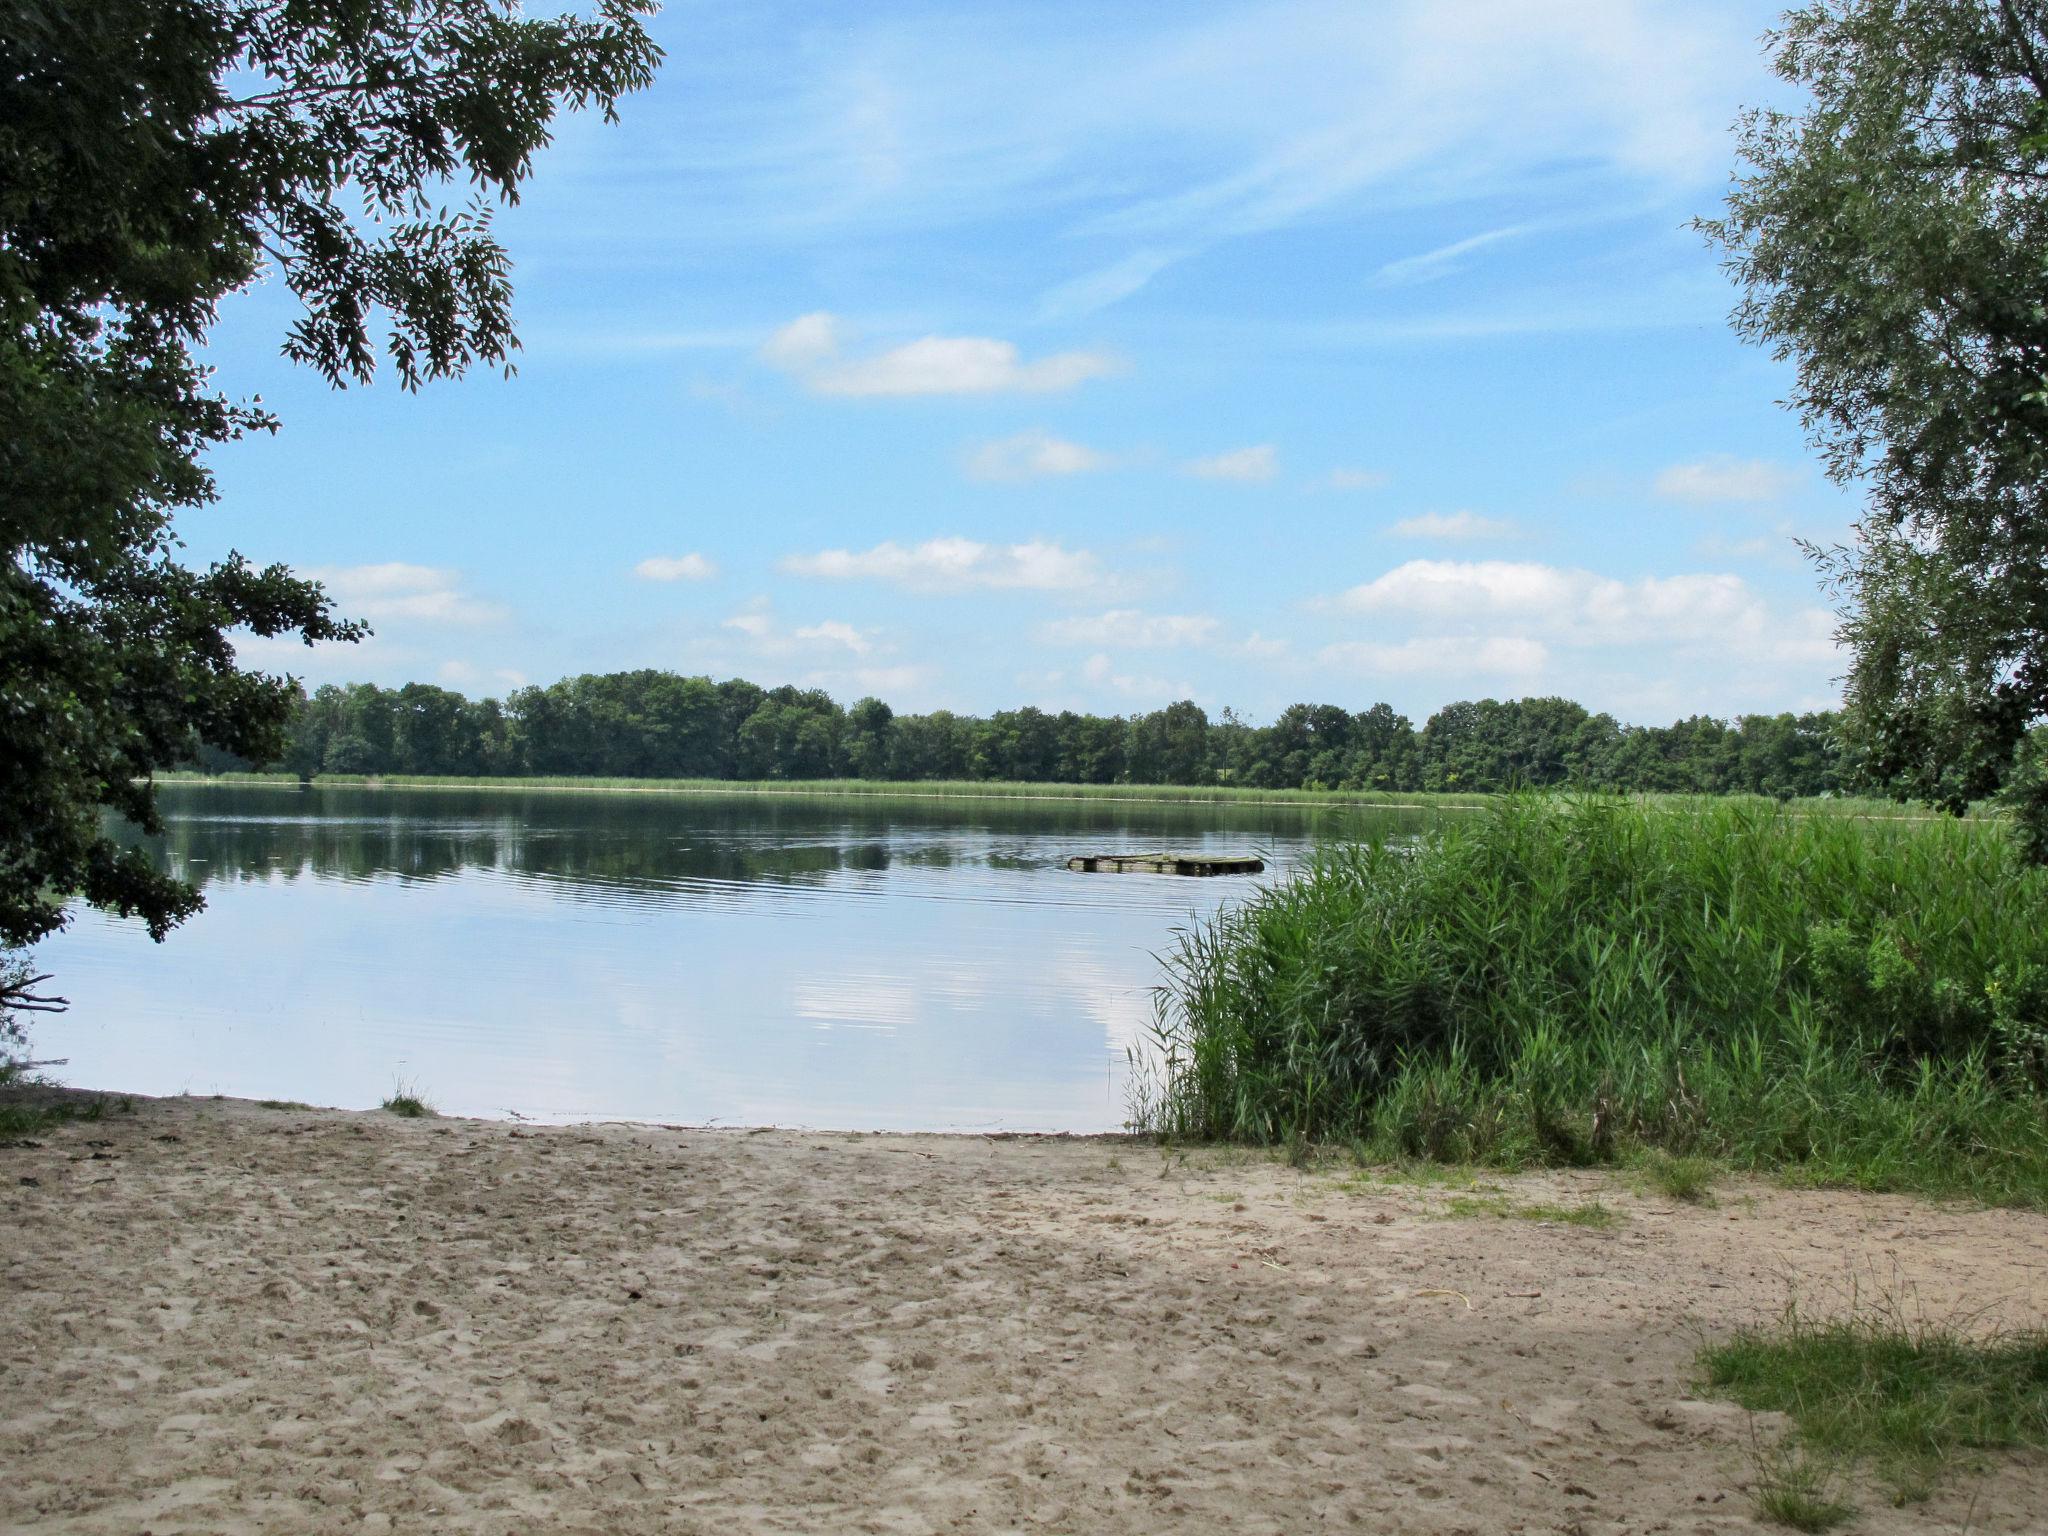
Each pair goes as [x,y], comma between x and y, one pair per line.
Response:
[406,1102]
[1576,981]
[29,1110]
[1589,1214]
[1908,1401]
[1799,1490]
[286,1104]
[1686,1179]
[983,789]
[909,789]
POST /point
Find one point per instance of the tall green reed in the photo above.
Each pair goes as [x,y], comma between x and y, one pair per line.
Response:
[1564,980]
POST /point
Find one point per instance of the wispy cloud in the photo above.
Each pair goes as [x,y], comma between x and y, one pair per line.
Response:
[466,675]
[1709,481]
[398,590]
[1033,456]
[1133,628]
[1509,656]
[1429,265]
[1247,465]
[1356,480]
[1453,527]
[958,565]
[766,635]
[810,349]
[1101,671]
[1108,285]
[690,567]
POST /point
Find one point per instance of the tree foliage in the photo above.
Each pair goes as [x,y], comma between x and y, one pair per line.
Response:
[157,156]
[651,724]
[1892,240]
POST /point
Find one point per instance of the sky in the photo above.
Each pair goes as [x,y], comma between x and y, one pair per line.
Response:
[974,355]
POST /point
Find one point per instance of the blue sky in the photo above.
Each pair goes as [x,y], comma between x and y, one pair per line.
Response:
[977,354]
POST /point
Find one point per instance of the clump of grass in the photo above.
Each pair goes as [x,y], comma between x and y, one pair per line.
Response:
[1589,1214]
[1568,982]
[286,1104]
[30,1109]
[1802,1491]
[1686,1179]
[1907,1399]
[406,1101]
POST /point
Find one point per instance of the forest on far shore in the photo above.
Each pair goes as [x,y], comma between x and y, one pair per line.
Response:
[654,724]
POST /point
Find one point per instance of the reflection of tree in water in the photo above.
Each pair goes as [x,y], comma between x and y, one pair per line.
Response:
[219,833]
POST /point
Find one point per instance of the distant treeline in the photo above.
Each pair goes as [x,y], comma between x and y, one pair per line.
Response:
[657,725]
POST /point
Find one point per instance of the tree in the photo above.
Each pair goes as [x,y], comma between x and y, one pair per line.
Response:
[155,157]
[1892,240]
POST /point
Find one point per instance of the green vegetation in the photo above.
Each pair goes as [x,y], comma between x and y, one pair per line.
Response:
[1904,1399]
[1889,238]
[1688,1179]
[286,1104]
[158,159]
[1574,981]
[406,1103]
[1591,1213]
[652,725]
[889,789]
[27,1109]
[1798,1490]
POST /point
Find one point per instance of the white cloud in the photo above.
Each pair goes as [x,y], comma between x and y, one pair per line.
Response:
[1130,627]
[690,567]
[397,590]
[1708,481]
[766,635]
[1108,285]
[957,565]
[1453,526]
[466,675]
[810,348]
[1717,547]
[1514,656]
[1356,479]
[1259,648]
[1148,138]
[1444,259]
[1249,465]
[1033,456]
[833,632]
[1100,671]
[1704,611]
[897,685]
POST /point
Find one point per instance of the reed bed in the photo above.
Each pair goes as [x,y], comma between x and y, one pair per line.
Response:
[894,789]
[1575,981]
[997,789]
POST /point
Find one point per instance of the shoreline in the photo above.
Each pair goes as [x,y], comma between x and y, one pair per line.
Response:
[1005,790]
[226,1317]
[847,789]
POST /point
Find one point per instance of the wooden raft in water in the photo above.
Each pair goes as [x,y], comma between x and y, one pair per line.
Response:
[1163,864]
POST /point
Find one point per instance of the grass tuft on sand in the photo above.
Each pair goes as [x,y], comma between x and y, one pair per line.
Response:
[406,1103]
[1908,1400]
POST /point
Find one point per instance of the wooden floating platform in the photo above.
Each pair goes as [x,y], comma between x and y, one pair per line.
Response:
[1163,864]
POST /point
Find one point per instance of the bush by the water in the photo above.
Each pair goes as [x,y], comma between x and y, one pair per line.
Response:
[1568,981]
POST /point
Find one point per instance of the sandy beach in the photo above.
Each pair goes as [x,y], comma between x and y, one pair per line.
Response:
[227,1318]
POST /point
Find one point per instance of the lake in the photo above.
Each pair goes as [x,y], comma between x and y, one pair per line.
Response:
[735,959]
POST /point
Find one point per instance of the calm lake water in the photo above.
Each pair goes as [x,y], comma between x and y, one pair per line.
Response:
[744,959]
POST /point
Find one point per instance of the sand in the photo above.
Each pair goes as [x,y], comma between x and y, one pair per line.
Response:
[225,1318]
